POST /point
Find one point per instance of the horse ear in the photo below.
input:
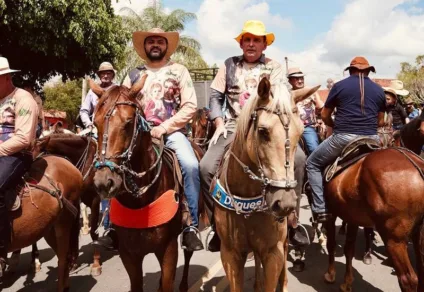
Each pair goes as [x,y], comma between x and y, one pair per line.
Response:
[138,86]
[300,94]
[264,88]
[95,87]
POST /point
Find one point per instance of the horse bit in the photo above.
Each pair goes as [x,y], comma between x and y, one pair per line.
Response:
[285,184]
[140,124]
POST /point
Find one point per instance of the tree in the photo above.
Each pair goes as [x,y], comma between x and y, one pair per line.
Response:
[66,37]
[64,97]
[412,76]
[188,51]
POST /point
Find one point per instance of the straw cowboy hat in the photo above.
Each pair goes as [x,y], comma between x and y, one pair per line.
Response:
[397,86]
[257,28]
[409,101]
[106,66]
[4,67]
[360,63]
[295,72]
[139,37]
[390,90]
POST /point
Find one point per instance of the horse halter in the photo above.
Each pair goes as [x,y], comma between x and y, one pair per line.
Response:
[124,168]
[286,184]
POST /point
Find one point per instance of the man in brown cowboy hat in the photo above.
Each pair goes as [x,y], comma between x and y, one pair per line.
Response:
[18,123]
[169,103]
[106,74]
[235,82]
[361,106]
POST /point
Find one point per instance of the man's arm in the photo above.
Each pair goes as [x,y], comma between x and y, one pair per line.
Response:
[87,109]
[326,116]
[26,119]
[381,120]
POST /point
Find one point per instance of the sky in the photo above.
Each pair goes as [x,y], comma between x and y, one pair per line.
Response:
[321,37]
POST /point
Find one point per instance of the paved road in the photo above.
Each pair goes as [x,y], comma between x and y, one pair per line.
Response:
[206,273]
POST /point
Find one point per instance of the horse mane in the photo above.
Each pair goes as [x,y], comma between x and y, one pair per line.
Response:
[280,97]
[198,114]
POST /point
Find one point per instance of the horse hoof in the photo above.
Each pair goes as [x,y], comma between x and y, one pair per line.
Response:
[96,271]
[298,266]
[367,259]
[345,288]
[330,278]
[322,240]
[85,230]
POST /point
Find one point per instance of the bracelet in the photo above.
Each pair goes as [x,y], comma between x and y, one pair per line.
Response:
[166,132]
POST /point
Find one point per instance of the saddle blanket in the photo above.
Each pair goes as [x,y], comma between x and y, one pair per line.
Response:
[244,205]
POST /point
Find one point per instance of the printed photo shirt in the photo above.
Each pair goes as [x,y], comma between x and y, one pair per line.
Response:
[169,98]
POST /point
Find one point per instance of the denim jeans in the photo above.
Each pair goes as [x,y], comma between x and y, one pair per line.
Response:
[190,169]
[325,154]
[311,138]
[12,168]
[106,221]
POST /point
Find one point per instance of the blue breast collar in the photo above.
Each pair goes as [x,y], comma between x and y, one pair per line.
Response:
[244,205]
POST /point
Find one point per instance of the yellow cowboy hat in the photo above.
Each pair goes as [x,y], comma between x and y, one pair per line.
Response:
[139,37]
[257,28]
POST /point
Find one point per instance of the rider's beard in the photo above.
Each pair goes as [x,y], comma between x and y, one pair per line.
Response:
[156,56]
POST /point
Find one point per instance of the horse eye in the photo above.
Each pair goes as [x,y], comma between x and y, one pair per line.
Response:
[264,133]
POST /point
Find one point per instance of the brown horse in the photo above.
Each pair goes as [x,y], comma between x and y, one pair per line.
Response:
[50,208]
[262,156]
[202,129]
[385,190]
[132,170]
[410,136]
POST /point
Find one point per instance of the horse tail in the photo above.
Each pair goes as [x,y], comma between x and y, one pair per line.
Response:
[419,253]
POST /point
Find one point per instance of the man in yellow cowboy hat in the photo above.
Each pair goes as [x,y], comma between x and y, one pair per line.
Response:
[106,74]
[361,105]
[18,123]
[235,82]
[169,103]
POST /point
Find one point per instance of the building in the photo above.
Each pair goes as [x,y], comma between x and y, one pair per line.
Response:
[53,116]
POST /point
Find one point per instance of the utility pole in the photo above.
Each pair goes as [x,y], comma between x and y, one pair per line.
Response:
[84,90]
[287,64]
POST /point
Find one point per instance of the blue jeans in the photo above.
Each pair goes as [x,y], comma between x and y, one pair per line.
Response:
[311,138]
[325,154]
[106,221]
[190,169]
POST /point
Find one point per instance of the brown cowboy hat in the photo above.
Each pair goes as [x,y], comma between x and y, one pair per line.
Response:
[139,37]
[360,63]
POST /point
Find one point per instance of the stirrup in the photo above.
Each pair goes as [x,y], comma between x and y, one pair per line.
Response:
[323,217]
[16,205]
[207,238]
[188,229]
[306,233]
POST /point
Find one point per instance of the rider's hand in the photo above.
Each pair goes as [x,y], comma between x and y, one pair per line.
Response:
[220,130]
[157,132]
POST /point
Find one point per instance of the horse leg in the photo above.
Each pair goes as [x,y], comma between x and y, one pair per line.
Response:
[96,267]
[168,263]
[418,239]
[273,263]
[184,280]
[349,251]
[330,276]
[283,276]
[35,264]
[134,266]
[233,263]
[368,232]
[259,280]
[342,230]
[13,261]
[85,226]
[398,252]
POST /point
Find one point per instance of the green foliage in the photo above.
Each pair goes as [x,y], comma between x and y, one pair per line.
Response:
[188,51]
[64,97]
[412,76]
[68,37]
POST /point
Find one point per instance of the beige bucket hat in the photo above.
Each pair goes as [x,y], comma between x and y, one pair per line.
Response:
[139,37]
[106,66]
[5,68]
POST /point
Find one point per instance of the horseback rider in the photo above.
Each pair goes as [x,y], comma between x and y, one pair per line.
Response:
[236,82]
[18,123]
[412,111]
[361,106]
[306,108]
[169,103]
[395,91]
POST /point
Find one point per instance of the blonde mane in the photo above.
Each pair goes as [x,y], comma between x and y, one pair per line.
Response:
[281,97]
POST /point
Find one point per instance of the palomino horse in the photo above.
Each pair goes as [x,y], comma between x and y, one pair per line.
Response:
[262,155]
[384,189]
[80,151]
[51,200]
[202,129]
[133,171]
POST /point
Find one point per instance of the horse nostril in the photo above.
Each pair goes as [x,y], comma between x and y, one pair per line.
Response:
[276,206]
[109,184]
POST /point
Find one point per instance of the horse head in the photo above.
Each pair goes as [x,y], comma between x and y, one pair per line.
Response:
[119,120]
[268,131]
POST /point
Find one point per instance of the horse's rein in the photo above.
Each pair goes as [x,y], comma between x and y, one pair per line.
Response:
[140,124]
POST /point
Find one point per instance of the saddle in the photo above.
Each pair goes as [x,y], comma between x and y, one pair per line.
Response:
[354,151]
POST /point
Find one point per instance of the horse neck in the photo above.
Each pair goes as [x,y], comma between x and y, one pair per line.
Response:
[73,149]
[235,175]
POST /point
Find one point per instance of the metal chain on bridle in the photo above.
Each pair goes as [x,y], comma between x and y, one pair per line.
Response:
[124,168]
[266,182]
